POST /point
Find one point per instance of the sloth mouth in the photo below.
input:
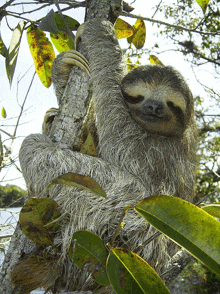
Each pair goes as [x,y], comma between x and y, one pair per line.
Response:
[150,117]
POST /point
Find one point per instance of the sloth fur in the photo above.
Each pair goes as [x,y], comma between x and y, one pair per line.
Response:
[133,162]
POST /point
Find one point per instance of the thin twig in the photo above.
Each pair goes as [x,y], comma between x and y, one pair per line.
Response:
[119,224]
[157,8]
[206,197]
[64,20]
[6,133]
[22,106]
[6,4]
[149,240]
[178,27]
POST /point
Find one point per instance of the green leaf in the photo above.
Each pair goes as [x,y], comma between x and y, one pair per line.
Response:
[72,23]
[203,4]
[11,57]
[213,209]
[35,217]
[90,251]
[42,53]
[123,29]
[187,225]
[62,41]
[129,273]
[78,181]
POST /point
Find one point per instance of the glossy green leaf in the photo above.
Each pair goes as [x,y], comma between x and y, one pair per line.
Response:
[42,53]
[11,57]
[35,217]
[62,41]
[72,23]
[186,224]
[213,209]
[91,253]
[78,181]
[203,4]
[129,273]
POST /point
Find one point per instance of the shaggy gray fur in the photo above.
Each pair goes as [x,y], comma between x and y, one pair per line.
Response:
[133,163]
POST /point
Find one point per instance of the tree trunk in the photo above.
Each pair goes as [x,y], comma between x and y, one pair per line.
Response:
[66,131]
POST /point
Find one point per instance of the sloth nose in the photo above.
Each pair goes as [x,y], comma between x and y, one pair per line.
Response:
[153,108]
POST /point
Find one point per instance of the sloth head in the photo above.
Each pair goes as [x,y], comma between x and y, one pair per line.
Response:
[159,99]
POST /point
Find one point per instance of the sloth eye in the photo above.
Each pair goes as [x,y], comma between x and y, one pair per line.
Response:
[132,99]
[177,111]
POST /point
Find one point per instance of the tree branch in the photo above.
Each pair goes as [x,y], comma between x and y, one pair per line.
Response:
[177,27]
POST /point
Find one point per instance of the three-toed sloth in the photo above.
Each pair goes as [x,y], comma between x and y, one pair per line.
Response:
[147,146]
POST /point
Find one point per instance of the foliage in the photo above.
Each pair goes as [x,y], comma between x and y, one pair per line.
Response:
[11,195]
[186,224]
[35,218]
[198,48]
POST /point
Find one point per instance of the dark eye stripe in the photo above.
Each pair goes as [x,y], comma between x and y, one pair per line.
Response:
[177,111]
[132,99]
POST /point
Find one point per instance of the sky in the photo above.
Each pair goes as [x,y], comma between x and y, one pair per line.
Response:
[41,99]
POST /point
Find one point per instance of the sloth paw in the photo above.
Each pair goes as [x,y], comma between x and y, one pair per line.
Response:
[48,120]
[63,64]
[73,57]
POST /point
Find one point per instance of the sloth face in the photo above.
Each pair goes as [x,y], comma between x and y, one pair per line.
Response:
[158,99]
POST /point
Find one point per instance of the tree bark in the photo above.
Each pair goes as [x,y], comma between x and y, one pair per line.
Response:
[66,131]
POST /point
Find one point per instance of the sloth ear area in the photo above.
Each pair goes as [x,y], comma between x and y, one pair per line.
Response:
[73,57]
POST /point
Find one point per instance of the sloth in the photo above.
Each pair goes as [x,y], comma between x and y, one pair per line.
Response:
[146,146]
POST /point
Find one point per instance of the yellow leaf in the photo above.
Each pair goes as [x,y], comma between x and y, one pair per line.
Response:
[89,147]
[123,29]
[4,114]
[42,53]
[138,38]
[203,4]
[155,60]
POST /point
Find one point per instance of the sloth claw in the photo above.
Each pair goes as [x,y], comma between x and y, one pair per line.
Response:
[79,34]
[48,120]
[73,57]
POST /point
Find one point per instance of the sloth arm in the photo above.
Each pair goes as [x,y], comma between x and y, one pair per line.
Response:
[106,72]
[42,160]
